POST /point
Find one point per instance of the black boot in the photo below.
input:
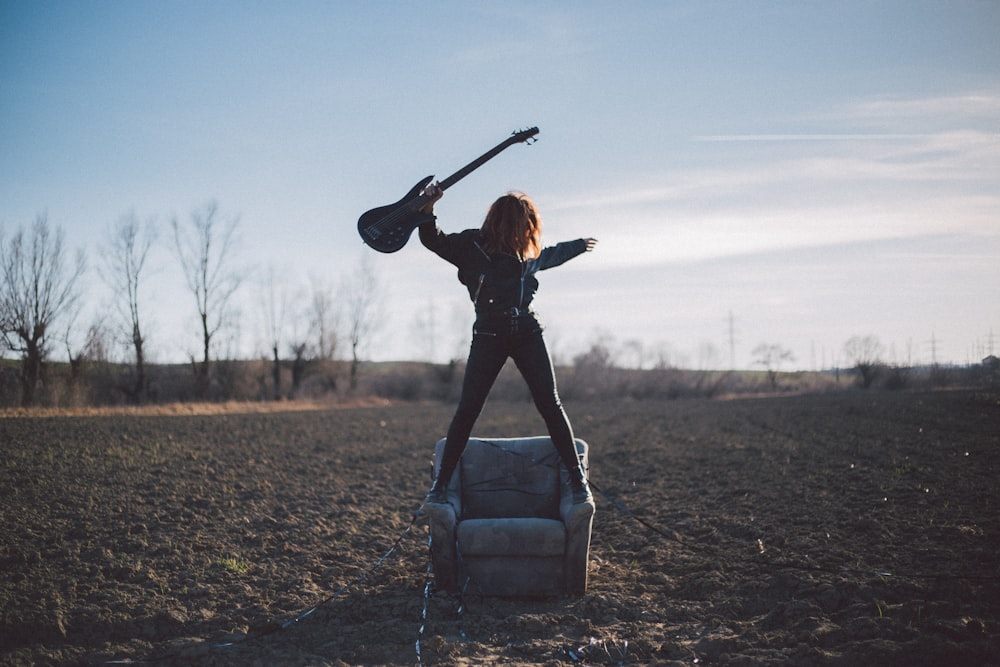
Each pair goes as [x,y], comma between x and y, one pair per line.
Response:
[581,489]
[438,494]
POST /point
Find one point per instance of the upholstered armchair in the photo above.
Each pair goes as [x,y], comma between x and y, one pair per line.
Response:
[510,525]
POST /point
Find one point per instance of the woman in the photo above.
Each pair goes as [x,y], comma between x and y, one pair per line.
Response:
[497,263]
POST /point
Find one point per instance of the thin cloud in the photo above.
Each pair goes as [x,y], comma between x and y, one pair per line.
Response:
[941,183]
[960,109]
[823,188]
[806,137]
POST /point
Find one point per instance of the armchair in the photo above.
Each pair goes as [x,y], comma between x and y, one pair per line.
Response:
[510,524]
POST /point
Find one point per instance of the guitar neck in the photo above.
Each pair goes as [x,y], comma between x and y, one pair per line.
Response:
[478,162]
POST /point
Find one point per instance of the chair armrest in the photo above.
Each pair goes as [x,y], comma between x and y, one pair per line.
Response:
[441,515]
[578,519]
[442,521]
[576,515]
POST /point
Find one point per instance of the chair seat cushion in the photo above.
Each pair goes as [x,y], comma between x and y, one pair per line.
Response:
[508,537]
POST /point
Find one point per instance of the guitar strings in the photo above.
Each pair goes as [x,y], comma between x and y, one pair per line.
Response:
[389,220]
[403,209]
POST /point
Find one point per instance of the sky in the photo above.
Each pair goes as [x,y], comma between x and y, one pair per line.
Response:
[788,173]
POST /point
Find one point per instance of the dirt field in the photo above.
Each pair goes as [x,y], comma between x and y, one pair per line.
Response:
[837,529]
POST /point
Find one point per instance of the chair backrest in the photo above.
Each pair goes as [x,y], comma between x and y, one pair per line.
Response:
[510,478]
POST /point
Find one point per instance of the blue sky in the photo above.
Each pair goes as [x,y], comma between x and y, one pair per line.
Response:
[816,169]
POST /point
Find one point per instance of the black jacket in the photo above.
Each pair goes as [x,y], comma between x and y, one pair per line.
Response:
[497,282]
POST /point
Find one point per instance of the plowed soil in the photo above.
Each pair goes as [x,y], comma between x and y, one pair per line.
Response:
[839,529]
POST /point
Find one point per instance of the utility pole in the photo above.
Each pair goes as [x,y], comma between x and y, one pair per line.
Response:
[934,347]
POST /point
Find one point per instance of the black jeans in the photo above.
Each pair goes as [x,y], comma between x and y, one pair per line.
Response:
[494,341]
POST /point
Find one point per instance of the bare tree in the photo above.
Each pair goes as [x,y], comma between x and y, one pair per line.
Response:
[364,311]
[298,350]
[125,253]
[595,369]
[665,356]
[274,307]
[93,352]
[204,249]
[865,352]
[313,340]
[323,319]
[74,354]
[600,355]
[635,348]
[37,287]
[771,356]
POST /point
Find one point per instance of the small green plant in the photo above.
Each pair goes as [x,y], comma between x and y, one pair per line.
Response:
[233,564]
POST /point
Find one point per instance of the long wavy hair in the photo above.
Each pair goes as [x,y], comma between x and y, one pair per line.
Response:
[513,225]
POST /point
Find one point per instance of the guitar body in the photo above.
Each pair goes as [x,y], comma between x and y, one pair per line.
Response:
[388,228]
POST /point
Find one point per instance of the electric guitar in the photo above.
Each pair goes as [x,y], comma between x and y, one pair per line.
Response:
[388,228]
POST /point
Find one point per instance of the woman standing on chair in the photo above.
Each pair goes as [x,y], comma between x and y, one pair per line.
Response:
[497,264]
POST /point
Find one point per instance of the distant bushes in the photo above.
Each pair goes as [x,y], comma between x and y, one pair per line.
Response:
[108,384]
[92,383]
[898,378]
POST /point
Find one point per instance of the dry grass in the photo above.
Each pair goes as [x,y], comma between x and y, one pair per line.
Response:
[194,409]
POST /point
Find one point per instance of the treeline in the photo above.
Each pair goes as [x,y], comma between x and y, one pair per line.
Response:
[95,384]
[42,299]
[89,383]
[321,355]
[582,379]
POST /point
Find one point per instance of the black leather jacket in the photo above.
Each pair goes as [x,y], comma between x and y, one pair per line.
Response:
[498,283]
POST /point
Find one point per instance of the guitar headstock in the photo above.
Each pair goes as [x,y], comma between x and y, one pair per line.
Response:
[527,136]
